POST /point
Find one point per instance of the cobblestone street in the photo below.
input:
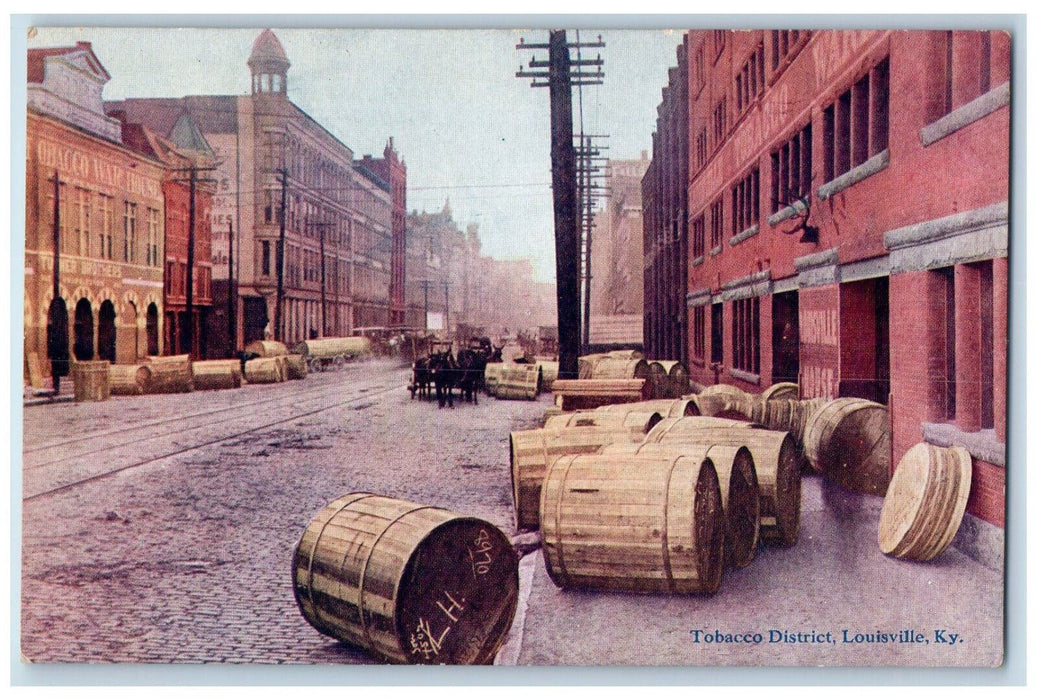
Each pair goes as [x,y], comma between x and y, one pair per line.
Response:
[184,555]
[161,529]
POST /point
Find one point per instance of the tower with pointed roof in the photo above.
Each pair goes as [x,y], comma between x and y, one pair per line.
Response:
[269,65]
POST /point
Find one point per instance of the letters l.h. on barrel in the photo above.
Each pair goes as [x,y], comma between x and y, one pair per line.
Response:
[409,583]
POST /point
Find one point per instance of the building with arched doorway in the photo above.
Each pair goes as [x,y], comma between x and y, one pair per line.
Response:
[93,215]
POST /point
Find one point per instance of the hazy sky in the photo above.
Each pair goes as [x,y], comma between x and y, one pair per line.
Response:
[466,126]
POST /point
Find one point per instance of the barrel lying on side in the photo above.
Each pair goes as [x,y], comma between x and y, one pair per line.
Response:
[518,381]
[295,366]
[265,370]
[925,502]
[739,490]
[669,408]
[847,440]
[216,374]
[266,348]
[774,455]
[532,451]
[129,380]
[633,523]
[170,374]
[410,583]
[635,422]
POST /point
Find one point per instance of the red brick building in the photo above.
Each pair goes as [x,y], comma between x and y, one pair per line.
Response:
[847,226]
[394,171]
[188,150]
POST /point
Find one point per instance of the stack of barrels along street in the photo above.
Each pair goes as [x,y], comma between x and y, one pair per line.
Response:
[269,362]
[519,380]
[621,376]
[607,486]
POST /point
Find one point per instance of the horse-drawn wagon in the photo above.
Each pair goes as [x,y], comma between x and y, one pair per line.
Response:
[324,353]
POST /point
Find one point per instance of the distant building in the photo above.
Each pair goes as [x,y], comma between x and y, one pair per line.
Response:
[392,170]
[846,221]
[274,161]
[617,258]
[109,222]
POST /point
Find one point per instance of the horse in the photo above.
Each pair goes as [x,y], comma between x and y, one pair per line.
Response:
[421,384]
[471,364]
[444,369]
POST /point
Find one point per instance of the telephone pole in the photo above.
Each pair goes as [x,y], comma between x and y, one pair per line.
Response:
[189,311]
[590,174]
[232,297]
[282,176]
[562,73]
[322,225]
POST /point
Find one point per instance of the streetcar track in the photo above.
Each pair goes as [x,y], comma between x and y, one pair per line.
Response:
[93,436]
[215,441]
[290,401]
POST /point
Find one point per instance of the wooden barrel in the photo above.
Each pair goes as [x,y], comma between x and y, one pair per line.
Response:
[90,380]
[295,366]
[925,502]
[779,414]
[726,389]
[585,365]
[637,423]
[266,348]
[847,440]
[668,408]
[492,375]
[129,380]
[677,376]
[633,523]
[549,413]
[518,381]
[612,367]
[777,468]
[720,405]
[533,450]
[659,380]
[781,390]
[739,491]
[350,346]
[264,370]
[410,583]
[216,374]
[577,394]
[170,374]
[625,354]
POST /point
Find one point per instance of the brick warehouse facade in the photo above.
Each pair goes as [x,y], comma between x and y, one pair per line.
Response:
[110,207]
[847,225]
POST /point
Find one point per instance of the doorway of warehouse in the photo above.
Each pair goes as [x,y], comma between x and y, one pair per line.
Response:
[864,339]
[785,337]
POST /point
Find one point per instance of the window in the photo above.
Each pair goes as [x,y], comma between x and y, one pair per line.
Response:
[698,325]
[749,81]
[266,258]
[790,171]
[745,203]
[698,236]
[154,233]
[716,353]
[720,121]
[746,335]
[700,66]
[716,223]
[81,220]
[701,151]
[783,41]
[129,229]
[719,39]
[170,274]
[106,214]
[856,126]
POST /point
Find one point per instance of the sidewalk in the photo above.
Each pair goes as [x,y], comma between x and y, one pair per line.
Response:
[831,600]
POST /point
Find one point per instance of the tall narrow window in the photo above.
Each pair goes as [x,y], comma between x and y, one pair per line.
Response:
[745,202]
[698,323]
[129,223]
[856,125]
[716,223]
[266,258]
[790,170]
[698,237]
[716,353]
[746,335]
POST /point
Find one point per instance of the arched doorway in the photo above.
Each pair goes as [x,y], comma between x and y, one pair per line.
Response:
[83,348]
[152,329]
[106,331]
[57,337]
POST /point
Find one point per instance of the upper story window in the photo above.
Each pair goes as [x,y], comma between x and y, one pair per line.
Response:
[700,66]
[719,41]
[783,43]
[716,223]
[720,121]
[701,150]
[698,237]
[856,125]
[745,202]
[749,81]
[790,170]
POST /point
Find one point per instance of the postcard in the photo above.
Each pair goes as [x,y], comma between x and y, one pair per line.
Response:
[609,347]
